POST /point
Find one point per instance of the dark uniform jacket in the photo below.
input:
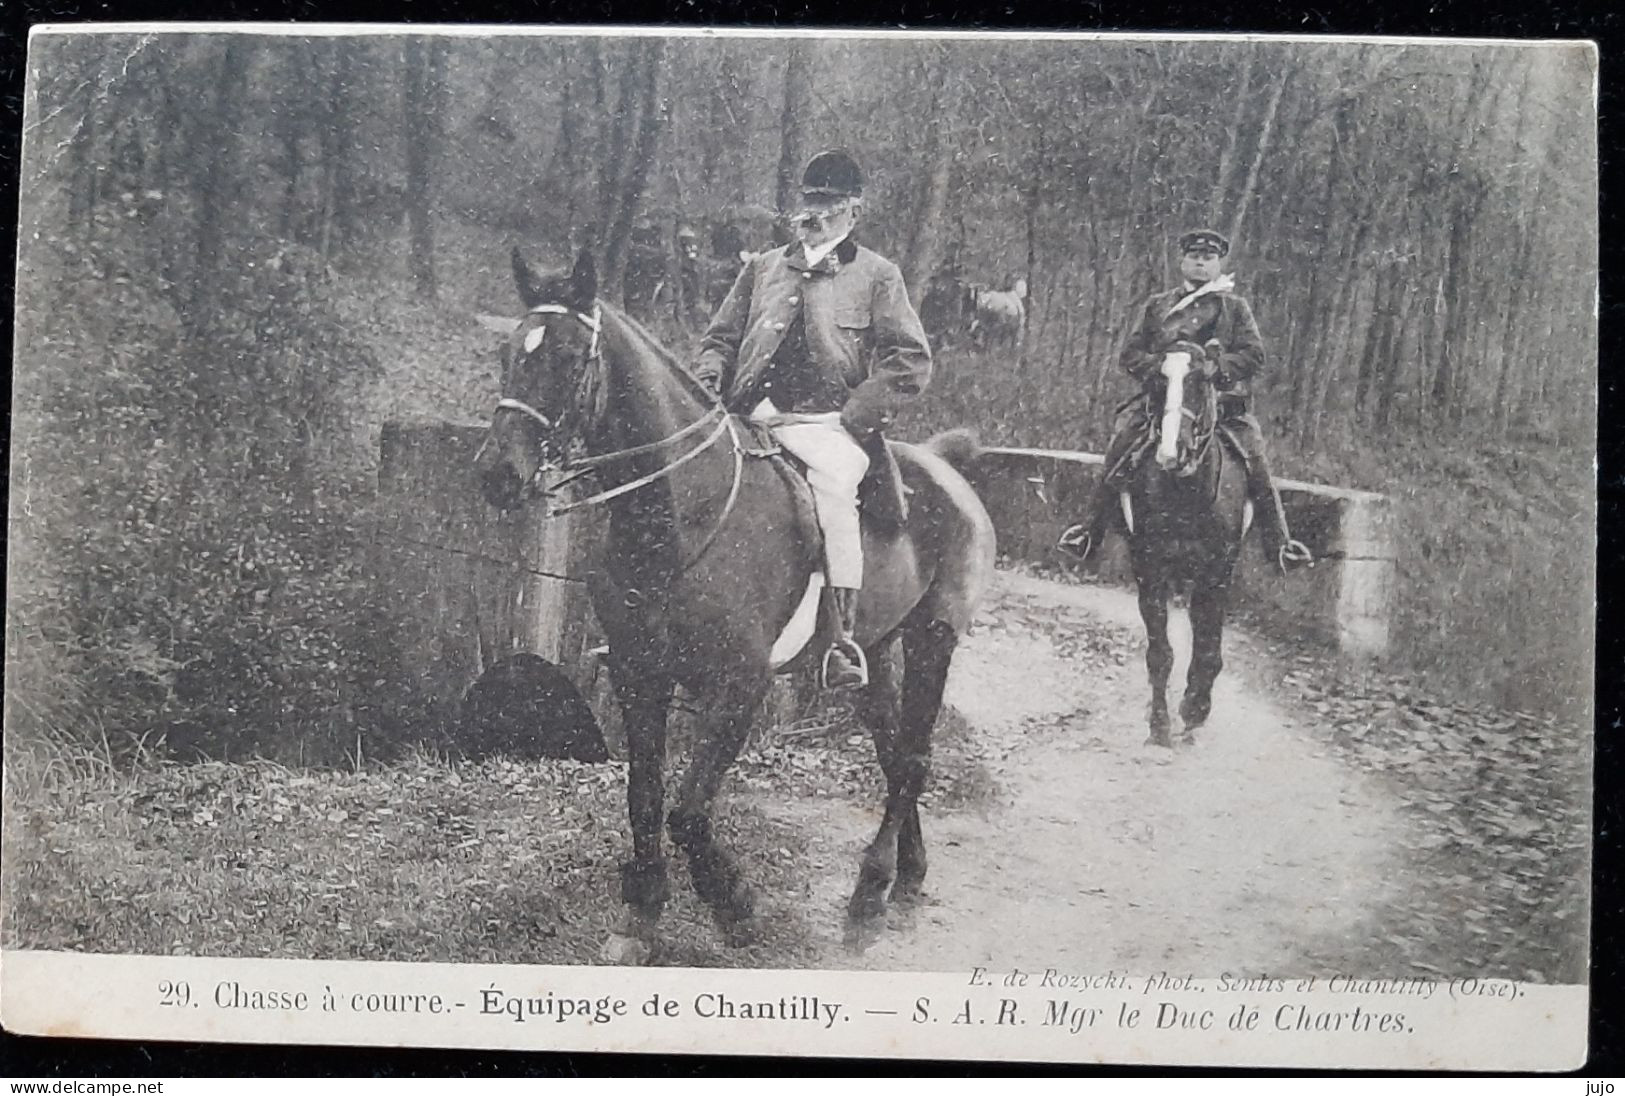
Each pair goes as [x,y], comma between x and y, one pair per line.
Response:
[1242,353]
[856,344]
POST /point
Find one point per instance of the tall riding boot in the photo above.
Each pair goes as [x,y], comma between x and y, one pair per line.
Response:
[1287,554]
[844,664]
[1084,539]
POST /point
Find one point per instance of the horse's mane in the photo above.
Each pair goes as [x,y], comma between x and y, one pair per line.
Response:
[653,345]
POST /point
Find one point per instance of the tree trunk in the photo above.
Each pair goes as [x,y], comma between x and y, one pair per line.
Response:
[559,183]
[1221,180]
[1337,331]
[1302,352]
[1378,339]
[1266,129]
[612,176]
[1446,395]
[1526,287]
[216,190]
[337,180]
[726,126]
[925,254]
[289,125]
[292,165]
[1463,196]
[645,143]
[1035,195]
[1393,366]
[424,123]
[85,167]
[793,122]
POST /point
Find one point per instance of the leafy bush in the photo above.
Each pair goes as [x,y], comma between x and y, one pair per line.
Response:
[201,540]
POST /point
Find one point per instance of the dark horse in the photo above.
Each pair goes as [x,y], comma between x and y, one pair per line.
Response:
[707,558]
[1186,511]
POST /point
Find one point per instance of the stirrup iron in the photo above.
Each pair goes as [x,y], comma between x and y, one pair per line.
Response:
[857,666]
[1077,541]
[1292,555]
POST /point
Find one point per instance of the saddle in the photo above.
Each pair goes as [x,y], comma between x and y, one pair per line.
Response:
[882,495]
[759,444]
[882,504]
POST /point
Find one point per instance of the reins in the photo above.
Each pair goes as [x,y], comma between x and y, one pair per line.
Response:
[643,481]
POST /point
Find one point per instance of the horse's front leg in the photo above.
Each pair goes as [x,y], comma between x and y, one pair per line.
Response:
[1159,655]
[645,702]
[731,705]
[1207,656]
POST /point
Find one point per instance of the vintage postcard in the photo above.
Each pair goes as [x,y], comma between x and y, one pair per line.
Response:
[1038,547]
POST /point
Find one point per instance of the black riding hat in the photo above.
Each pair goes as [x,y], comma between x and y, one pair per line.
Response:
[1204,238]
[832,174]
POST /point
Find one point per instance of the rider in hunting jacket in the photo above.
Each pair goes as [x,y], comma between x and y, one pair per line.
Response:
[823,328]
[1225,343]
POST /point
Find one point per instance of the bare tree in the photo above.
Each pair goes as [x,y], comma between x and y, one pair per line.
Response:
[219,177]
[1266,129]
[649,114]
[925,252]
[424,126]
[793,121]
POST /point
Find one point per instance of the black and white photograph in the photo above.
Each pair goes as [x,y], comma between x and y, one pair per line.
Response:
[989,545]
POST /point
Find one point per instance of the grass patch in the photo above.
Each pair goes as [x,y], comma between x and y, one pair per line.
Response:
[423,859]
[420,861]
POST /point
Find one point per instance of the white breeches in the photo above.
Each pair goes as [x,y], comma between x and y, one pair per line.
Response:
[835,464]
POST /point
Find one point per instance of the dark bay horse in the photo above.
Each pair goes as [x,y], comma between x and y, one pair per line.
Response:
[705,562]
[1186,512]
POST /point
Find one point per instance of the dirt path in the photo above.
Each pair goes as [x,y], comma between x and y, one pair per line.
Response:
[1243,853]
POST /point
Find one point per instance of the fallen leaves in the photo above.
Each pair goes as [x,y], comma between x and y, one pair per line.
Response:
[1496,879]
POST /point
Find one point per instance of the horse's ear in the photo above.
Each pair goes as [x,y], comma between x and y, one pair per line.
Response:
[584,281]
[524,281]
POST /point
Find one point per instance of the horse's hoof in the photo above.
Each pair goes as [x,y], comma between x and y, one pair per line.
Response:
[626,951]
[908,892]
[862,933]
[1160,740]
[876,879]
[868,902]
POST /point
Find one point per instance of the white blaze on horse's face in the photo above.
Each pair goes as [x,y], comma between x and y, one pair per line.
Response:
[1175,366]
[548,358]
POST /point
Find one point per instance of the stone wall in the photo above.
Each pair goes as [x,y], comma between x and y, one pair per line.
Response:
[1345,599]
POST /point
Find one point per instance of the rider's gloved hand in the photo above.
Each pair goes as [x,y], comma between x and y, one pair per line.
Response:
[862,418]
[1185,346]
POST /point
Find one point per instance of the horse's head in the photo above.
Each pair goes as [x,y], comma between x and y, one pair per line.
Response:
[550,380]
[1186,417]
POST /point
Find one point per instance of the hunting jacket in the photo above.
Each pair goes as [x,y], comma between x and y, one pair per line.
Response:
[1241,347]
[859,325]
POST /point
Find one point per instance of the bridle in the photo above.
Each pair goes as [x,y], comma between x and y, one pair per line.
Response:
[591,380]
[593,323]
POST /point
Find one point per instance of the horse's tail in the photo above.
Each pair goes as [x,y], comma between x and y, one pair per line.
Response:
[958,447]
